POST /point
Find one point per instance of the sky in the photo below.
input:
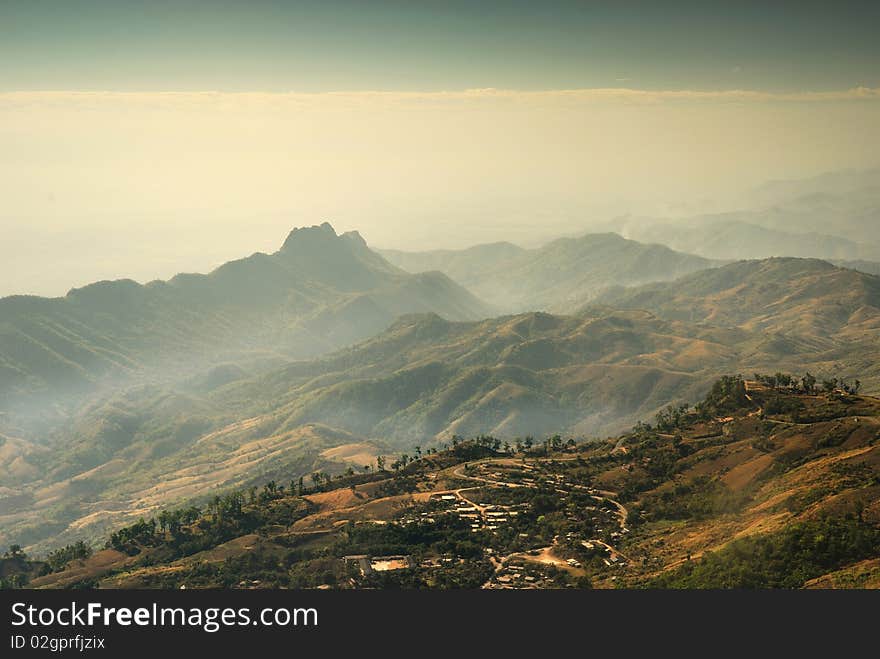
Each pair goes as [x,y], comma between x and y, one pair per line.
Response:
[139,139]
[327,45]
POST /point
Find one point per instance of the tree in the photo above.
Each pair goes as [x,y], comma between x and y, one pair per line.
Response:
[783,380]
[672,417]
[59,558]
[380,462]
[852,388]
[809,383]
[860,510]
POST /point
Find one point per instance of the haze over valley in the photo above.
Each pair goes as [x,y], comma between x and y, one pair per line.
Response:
[122,398]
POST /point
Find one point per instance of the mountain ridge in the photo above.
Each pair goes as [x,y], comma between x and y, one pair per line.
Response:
[811,296]
[558,276]
[293,303]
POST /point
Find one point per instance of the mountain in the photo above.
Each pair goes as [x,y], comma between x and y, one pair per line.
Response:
[835,216]
[463,265]
[757,487]
[320,291]
[151,449]
[807,297]
[426,379]
[845,203]
[420,382]
[869,267]
[741,235]
[556,277]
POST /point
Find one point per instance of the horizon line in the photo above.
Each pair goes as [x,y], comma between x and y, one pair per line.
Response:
[576,93]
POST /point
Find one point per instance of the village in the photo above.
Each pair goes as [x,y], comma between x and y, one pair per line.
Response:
[504,508]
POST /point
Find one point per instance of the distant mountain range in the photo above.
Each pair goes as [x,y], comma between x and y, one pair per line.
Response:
[122,398]
[425,379]
[870,267]
[319,292]
[834,217]
[807,297]
[843,203]
[557,277]
[740,235]
[418,383]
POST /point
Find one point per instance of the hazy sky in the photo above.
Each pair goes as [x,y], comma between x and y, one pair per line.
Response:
[142,138]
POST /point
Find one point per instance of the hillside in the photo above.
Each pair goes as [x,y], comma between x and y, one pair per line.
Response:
[557,277]
[805,297]
[319,292]
[419,382]
[125,463]
[426,379]
[756,487]
[591,373]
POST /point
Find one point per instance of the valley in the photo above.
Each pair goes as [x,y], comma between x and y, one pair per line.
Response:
[402,361]
[729,494]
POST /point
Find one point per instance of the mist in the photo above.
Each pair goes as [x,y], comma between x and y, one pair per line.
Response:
[144,185]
